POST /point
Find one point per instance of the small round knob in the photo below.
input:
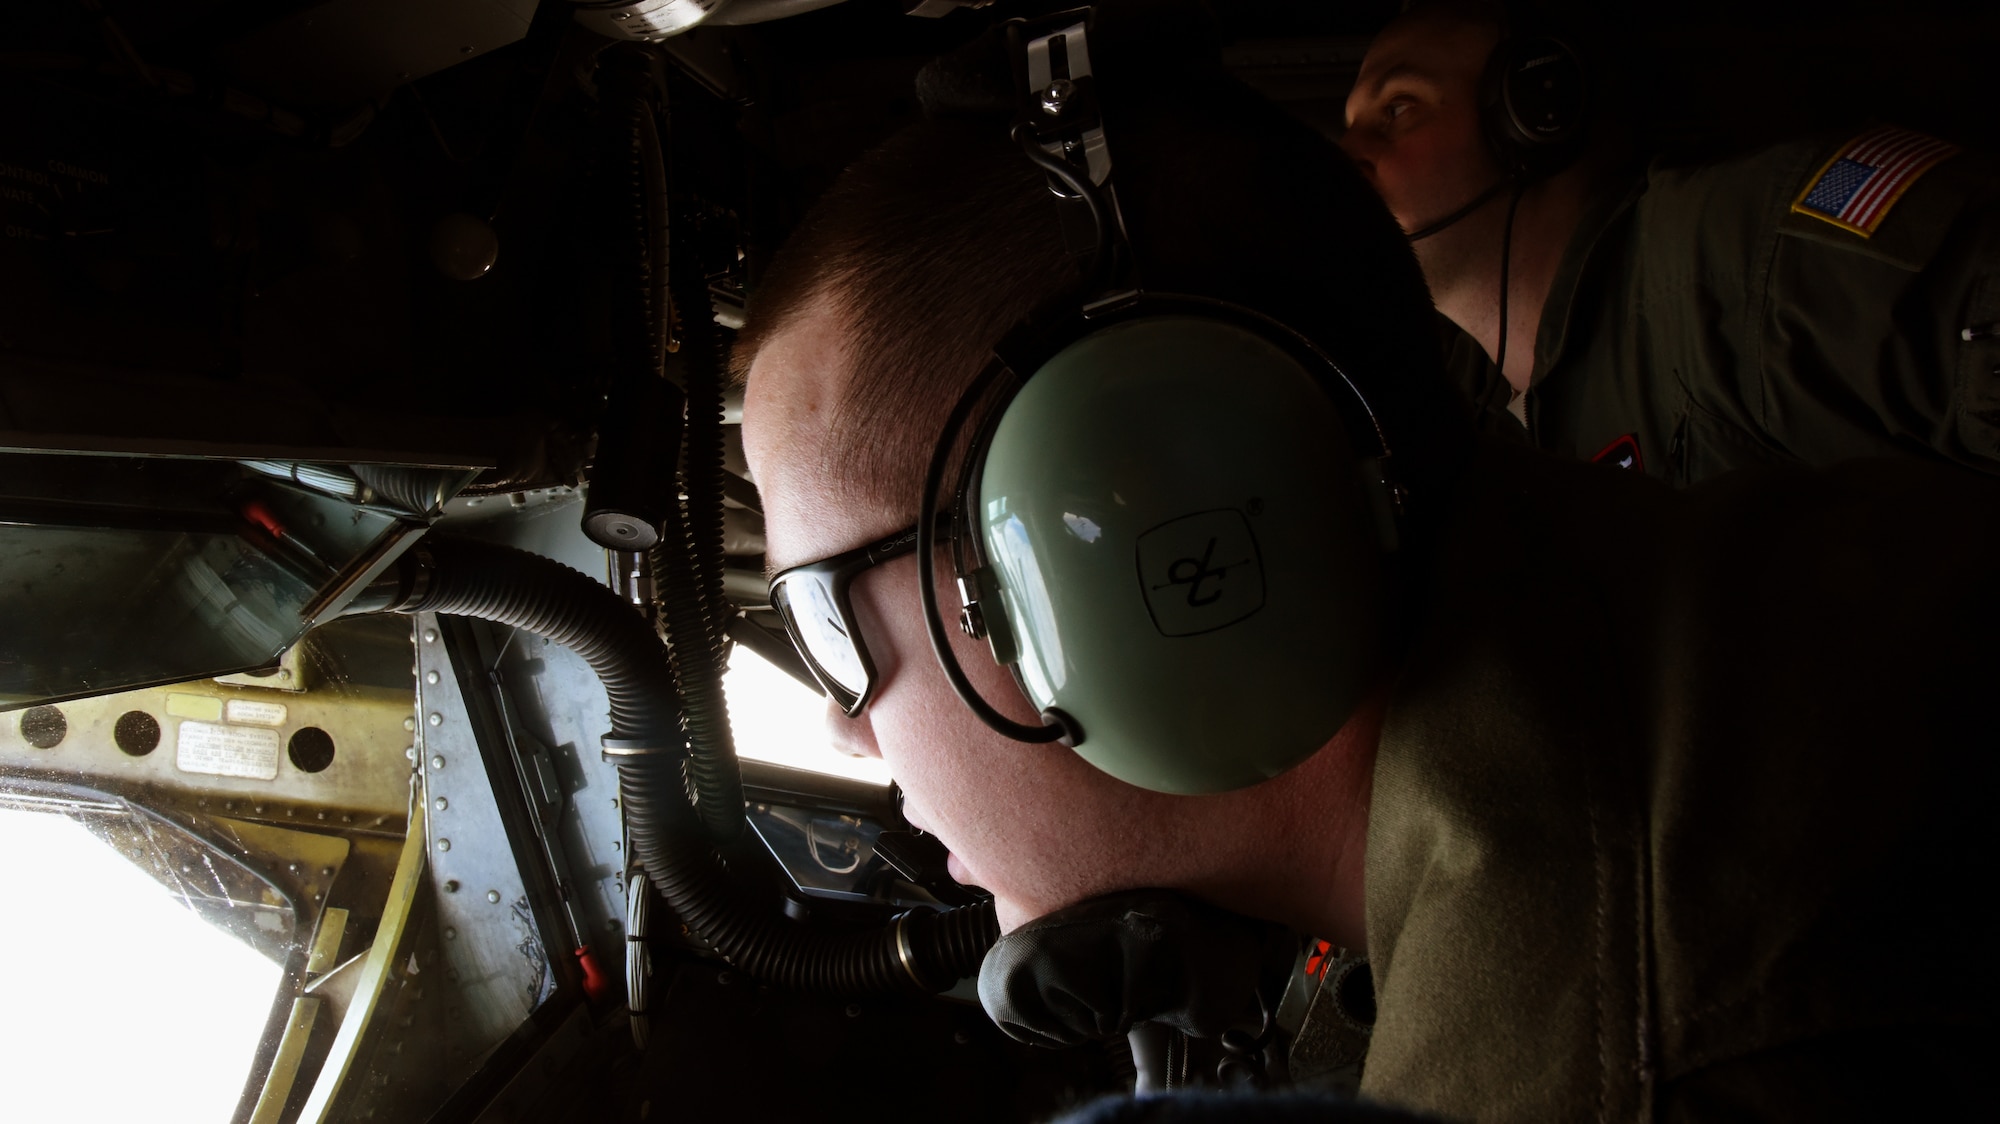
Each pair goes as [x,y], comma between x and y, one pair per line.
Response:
[1056,95]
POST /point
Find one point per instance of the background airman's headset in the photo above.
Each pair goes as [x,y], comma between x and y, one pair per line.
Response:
[1175,513]
[1535,109]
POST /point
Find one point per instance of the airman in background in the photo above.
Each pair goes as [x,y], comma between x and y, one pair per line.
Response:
[1833,297]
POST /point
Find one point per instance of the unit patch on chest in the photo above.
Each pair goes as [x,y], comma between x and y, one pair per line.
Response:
[1623,452]
[1855,189]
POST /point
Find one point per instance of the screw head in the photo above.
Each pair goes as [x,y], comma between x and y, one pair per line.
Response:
[440,803]
[493,896]
[432,678]
[437,762]
[430,635]
[1056,96]
[444,844]
[436,719]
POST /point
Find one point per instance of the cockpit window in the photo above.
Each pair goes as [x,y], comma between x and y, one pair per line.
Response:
[133,949]
[775,718]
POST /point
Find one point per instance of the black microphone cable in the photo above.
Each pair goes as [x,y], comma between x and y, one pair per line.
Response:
[1506,245]
[1506,257]
[1452,219]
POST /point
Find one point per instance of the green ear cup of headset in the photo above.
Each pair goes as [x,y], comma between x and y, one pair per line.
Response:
[1185,553]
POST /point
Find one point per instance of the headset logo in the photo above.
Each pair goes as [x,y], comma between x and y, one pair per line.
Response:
[1201,572]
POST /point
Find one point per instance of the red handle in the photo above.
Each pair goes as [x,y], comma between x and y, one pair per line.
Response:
[257,513]
[596,984]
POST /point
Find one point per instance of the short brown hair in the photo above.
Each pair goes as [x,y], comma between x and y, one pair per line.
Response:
[936,243]
[931,247]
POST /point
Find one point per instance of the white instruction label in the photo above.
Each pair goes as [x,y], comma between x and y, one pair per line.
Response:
[256,712]
[227,751]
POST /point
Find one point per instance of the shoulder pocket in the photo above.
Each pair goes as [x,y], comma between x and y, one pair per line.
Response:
[1897,216]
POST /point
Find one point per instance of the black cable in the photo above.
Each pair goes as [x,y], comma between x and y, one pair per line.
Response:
[1102,269]
[1478,201]
[1506,257]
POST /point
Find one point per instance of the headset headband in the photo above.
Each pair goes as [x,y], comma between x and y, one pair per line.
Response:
[1059,124]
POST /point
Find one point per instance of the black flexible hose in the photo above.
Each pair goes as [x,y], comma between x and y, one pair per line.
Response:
[661,255]
[689,558]
[705,355]
[918,951]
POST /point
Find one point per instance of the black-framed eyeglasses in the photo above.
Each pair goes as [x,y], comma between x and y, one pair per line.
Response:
[812,600]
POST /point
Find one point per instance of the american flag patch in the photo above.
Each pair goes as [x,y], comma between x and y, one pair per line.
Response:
[1855,189]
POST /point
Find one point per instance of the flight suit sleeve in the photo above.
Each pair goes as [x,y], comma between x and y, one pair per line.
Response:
[1880,325]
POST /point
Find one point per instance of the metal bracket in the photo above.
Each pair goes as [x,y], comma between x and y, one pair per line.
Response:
[1065,117]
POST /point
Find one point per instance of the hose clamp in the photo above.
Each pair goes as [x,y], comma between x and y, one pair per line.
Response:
[415,574]
[641,747]
[905,953]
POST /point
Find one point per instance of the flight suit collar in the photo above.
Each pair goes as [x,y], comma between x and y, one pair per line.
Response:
[1598,217]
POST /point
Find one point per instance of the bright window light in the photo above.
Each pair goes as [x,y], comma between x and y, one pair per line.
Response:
[776,718]
[118,1002]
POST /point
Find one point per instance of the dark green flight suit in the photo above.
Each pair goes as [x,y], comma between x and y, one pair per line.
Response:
[1683,804]
[1702,317]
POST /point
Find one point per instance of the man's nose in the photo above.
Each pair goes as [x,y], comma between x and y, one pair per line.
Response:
[1361,145]
[853,736]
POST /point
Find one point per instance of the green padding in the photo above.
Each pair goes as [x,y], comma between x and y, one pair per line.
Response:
[1176,524]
